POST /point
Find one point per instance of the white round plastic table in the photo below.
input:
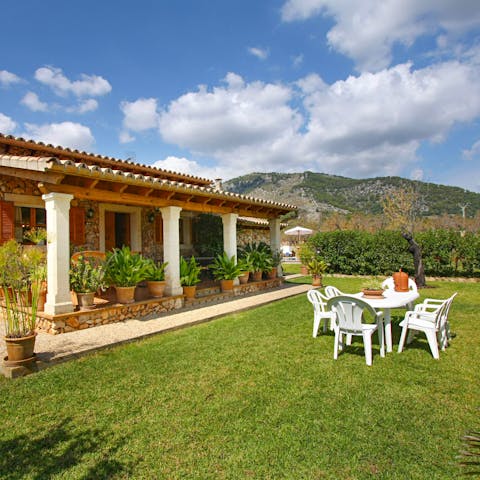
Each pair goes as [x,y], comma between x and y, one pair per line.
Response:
[392,299]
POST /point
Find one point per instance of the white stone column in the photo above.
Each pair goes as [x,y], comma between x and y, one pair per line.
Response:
[229,221]
[171,249]
[275,241]
[58,253]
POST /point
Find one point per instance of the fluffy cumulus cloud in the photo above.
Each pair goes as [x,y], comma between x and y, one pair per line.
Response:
[246,123]
[368,124]
[88,85]
[66,134]
[85,106]
[8,78]
[139,115]
[7,125]
[32,102]
[367,31]
[191,167]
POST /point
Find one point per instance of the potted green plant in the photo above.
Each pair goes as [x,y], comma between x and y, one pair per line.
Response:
[225,269]
[317,267]
[373,288]
[85,279]
[245,267]
[305,252]
[156,278]
[276,259]
[22,271]
[261,262]
[124,270]
[189,276]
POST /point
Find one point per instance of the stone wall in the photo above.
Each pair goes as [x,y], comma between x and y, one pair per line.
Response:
[19,186]
[249,235]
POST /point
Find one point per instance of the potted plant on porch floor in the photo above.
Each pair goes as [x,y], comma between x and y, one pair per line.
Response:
[124,270]
[189,276]
[22,272]
[225,269]
[86,279]
[156,278]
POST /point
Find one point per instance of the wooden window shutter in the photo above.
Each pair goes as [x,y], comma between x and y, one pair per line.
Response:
[7,221]
[158,229]
[77,225]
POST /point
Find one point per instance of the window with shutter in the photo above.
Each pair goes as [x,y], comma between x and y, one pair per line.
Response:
[7,221]
[77,225]
[158,229]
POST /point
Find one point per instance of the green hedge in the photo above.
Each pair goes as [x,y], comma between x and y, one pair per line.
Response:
[445,252]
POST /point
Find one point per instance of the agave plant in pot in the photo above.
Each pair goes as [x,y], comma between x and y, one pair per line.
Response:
[21,270]
[225,269]
[317,267]
[156,278]
[86,278]
[124,269]
[189,276]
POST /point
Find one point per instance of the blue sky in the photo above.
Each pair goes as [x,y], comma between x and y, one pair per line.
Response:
[221,88]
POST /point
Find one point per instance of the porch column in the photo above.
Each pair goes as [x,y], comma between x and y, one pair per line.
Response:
[229,221]
[274,224]
[57,206]
[171,249]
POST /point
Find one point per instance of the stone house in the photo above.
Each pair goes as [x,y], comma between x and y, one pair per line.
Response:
[92,202]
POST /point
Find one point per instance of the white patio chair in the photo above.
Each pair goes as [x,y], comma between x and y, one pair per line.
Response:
[349,321]
[332,291]
[320,312]
[431,318]
[388,283]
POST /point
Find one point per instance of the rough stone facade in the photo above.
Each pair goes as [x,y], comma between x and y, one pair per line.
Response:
[256,235]
[19,186]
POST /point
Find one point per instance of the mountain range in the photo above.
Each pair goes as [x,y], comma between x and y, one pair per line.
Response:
[318,192]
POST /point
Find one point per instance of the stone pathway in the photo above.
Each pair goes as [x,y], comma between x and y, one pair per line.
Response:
[56,348]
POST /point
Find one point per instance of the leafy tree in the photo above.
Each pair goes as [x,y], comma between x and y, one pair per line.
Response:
[402,206]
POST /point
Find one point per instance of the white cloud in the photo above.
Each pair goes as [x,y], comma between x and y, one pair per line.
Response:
[7,125]
[191,167]
[417,174]
[66,134]
[260,53]
[8,78]
[140,115]
[89,105]
[31,101]
[88,85]
[367,31]
[473,152]
[297,60]
[125,137]
[370,124]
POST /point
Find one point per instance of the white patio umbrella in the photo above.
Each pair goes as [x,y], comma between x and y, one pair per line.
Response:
[298,232]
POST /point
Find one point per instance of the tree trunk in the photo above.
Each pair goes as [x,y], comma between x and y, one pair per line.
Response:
[416,251]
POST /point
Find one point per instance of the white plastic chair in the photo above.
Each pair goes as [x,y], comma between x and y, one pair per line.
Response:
[320,312]
[349,321]
[431,318]
[332,291]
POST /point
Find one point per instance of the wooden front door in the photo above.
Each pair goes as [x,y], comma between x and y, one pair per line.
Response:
[117,230]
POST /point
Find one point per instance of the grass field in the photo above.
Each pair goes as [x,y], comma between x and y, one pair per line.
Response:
[251,395]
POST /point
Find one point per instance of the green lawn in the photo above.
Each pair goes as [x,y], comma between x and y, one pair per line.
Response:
[251,395]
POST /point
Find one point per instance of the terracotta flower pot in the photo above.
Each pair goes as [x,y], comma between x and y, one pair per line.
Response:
[304,270]
[243,279]
[85,300]
[156,288]
[372,293]
[272,274]
[226,285]
[42,297]
[125,294]
[316,280]
[189,291]
[19,349]
[257,276]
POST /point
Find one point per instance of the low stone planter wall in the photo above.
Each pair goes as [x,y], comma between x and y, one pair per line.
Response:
[69,322]
[102,315]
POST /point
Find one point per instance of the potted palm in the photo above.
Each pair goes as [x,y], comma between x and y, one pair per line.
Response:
[225,269]
[245,267]
[156,278]
[124,270]
[316,268]
[21,270]
[261,262]
[276,259]
[85,279]
[189,276]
